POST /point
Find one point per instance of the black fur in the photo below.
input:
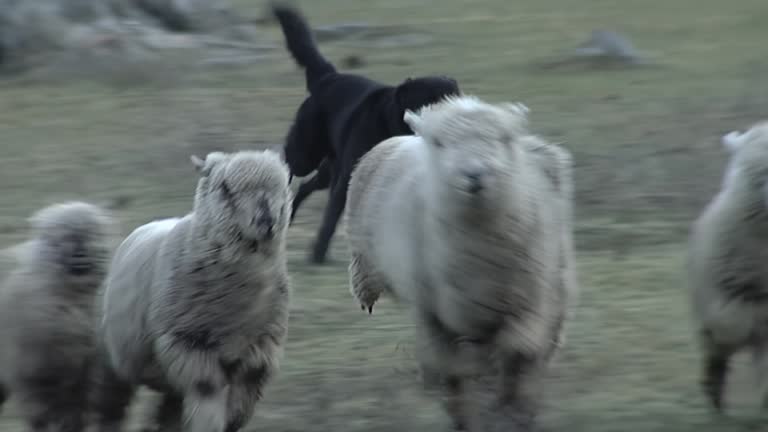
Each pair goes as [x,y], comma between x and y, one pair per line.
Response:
[344,116]
[322,179]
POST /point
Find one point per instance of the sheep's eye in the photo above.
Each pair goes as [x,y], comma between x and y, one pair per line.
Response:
[226,192]
[437,143]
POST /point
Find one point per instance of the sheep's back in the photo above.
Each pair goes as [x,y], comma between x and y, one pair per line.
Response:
[128,287]
[379,216]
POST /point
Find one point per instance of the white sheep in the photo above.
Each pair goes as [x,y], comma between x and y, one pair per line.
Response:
[469,222]
[197,307]
[727,275]
[46,307]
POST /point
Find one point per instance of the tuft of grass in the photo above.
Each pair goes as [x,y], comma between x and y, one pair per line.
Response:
[647,157]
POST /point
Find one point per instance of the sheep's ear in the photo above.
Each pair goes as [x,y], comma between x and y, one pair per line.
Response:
[516,108]
[732,141]
[204,166]
[281,151]
[412,120]
[198,163]
[36,219]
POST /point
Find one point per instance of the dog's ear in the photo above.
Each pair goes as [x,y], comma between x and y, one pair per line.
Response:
[401,93]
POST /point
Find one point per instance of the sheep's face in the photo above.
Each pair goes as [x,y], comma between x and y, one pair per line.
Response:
[472,145]
[74,237]
[749,157]
[244,197]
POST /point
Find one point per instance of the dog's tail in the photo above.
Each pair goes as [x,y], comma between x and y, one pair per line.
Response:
[301,43]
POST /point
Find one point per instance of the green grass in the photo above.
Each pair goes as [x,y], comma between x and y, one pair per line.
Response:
[647,157]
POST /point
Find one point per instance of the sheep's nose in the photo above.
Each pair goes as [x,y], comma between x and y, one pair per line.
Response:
[265,220]
[476,180]
[79,250]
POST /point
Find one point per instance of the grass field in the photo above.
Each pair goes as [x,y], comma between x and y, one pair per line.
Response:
[645,142]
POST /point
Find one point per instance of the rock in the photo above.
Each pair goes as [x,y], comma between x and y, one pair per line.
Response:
[604,48]
[352,62]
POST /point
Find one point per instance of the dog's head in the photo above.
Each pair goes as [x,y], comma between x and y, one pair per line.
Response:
[415,93]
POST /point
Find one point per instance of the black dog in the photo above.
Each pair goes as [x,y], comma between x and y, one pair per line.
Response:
[321,180]
[343,117]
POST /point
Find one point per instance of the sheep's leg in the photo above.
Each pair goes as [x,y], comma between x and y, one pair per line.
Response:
[55,402]
[517,402]
[558,338]
[760,362]
[454,401]
[714,376]
[49,414]
[438,354]
[167,416]
[333,211]
[364,284]
[714,369]
[112,396]
[250,378]
[3,396]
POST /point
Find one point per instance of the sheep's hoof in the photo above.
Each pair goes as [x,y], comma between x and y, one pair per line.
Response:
[317,257]
[764,402]
[715,399]
[458,426]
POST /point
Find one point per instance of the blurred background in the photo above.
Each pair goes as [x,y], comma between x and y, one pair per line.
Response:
[105,100]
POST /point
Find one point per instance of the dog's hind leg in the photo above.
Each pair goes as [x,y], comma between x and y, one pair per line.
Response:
[331,217]
[321,180]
